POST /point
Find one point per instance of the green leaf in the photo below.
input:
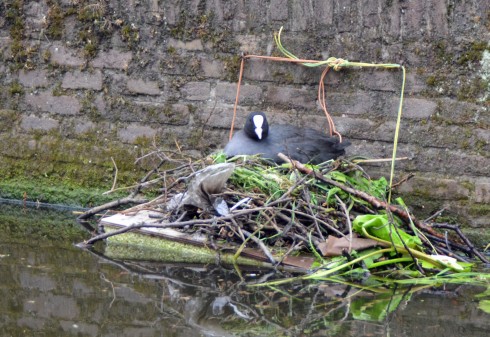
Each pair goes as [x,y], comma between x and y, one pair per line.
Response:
[370,259]
[484,305]
[332,192]
[379,226]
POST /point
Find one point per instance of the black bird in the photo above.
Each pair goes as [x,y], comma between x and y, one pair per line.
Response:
[302,144]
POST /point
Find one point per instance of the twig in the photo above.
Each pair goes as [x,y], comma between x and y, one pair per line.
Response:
[115,177]
[402,180]
[380,160]
[455,245]
[146,177]
[435,215]
[349,225]
[447,242]
[175,224]
[465,240]
[93,211]
[261,245]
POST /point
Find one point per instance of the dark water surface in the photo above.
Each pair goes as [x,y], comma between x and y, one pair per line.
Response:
[50,288]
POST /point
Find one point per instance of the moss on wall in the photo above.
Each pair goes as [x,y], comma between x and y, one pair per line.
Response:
[46,166]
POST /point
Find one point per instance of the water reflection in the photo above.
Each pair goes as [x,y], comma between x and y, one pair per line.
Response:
[49,288]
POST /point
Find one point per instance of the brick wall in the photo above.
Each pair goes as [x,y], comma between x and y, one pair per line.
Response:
[101,79]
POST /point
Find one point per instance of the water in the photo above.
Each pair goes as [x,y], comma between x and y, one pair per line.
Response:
[50,288]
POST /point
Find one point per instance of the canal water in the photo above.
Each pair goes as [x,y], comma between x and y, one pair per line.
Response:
[48,287]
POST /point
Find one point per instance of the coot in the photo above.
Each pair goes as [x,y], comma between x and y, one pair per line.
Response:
[302,144]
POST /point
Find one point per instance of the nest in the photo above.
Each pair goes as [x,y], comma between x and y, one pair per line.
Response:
[283,210]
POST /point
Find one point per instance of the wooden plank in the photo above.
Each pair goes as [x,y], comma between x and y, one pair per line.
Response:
[122,220]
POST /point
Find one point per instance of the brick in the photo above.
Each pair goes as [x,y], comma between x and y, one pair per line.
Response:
[64,56]
[279,10]
[83,125]
[249,94]
[191,45]
[357,103]
[482,191]
[250,44]
[36,123]
[100,104]
[196,91]
[35,15]
[113,59]
[134,131]
[455,111]
[415,84]
[291,98]
[436,187]
[221,117]
[63,105]
[382,80]
[60,306]
[211,68]
[82,80]
[324,11]
[33,78]
[139,86]
[445,161]
[159,113]
[417,108]
[353,126]
[301,15]
[482,135]
[118,82]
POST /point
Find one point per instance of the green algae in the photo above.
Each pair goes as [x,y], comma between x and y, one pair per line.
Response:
[39,225]
[54,192]
[47,166]
[137,246]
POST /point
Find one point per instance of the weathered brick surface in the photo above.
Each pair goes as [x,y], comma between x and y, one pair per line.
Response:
[134,131]
[62,105]
[33,78]
[279,10]
[291,98]
[83,126]
[65,56]
[211,68]
[38,123]
[482,191]
[190,45]
[170,70]
[356,103]
[196,91]
[249,94]
[140,86]
[418,108]
[158,114]
[221,117]
[444,189]
[82,80]
[113,59]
